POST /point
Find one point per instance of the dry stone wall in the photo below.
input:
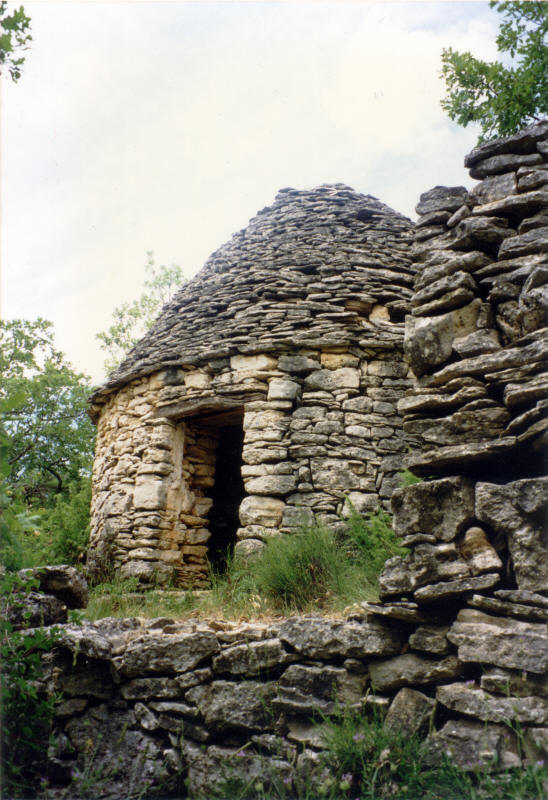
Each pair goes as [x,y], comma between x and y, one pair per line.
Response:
[306,359]
[476,529]
[458,640]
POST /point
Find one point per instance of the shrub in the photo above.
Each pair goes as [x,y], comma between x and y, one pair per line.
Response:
[27,711]
[407,478]
[374,763]
[373,540]
[297,570]
[66,525]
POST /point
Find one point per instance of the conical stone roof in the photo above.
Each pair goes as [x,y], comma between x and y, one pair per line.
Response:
[306,271]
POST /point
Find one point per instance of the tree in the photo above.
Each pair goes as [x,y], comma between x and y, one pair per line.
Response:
[502,99]
[14,37]
[132,320]
[46,430]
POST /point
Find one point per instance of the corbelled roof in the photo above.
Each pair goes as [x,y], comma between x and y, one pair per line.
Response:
[307,270]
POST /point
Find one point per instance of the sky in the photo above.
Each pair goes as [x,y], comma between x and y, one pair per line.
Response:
[165,126]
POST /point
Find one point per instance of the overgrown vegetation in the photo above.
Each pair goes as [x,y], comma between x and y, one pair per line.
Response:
[365,760]
[27,712]
[46,449]
[130,321]
[309,570]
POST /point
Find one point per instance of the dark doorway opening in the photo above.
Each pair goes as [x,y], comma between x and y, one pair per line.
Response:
[227,494]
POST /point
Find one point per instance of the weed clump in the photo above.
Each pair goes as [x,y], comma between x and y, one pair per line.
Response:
[300,569]
[313,568]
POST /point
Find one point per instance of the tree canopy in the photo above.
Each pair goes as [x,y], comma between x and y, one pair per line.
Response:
[132,320]
[14,37]
[48,436]
[502,99]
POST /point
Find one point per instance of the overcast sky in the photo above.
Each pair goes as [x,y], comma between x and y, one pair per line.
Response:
[165,126]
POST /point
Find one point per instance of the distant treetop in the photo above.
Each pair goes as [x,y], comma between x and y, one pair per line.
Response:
[14,37]
[502,99]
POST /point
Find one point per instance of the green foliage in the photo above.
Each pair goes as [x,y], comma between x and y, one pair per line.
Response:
[66,526]
[379,763]
[310,570]
[234,590]
[299,570]
[132,320]
[27,711]
[14,37]
[374,540]
[15,521]
[46,428]
[502,99]
[364,760]
[408,479]
[121,599]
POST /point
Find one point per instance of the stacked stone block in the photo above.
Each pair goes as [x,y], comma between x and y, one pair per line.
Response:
[476,529]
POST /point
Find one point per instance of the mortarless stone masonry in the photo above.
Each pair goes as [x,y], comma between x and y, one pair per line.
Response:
[285,351]
[458,643]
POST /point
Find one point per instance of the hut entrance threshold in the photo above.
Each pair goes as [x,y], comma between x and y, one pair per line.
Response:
[217,434]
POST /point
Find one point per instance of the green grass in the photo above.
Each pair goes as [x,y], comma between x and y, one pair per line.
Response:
[121,599]
[312,569]
[365,761]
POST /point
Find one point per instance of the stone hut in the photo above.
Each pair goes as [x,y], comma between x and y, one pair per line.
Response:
[264,395]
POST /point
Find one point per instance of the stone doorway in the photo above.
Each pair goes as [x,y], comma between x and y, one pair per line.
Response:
[227,493]
[213,454]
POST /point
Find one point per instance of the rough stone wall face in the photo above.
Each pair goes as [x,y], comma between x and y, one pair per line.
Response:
[476,337]
[476,340]
[322,427]
[293,330]
[458,643]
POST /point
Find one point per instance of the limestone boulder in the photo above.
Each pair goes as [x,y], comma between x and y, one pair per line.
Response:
[479,553]
[410,713]
[271,485]
[475,746]
[283,389]
[331,380]
[441,198]
[316,637]
[471,701]
[499,641]
[492,605]
[533,241]
[62,581]
[138,757]
[211,770]
[226,705]
[396,578]
[430,639]
[479,419]
[251,658]
[150,492]
[449,590]
[443,508]
[411,669]
[519,511]
[314,689]
[261,510]
[428,341]
[498,680]
[33,610]
[170,654]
